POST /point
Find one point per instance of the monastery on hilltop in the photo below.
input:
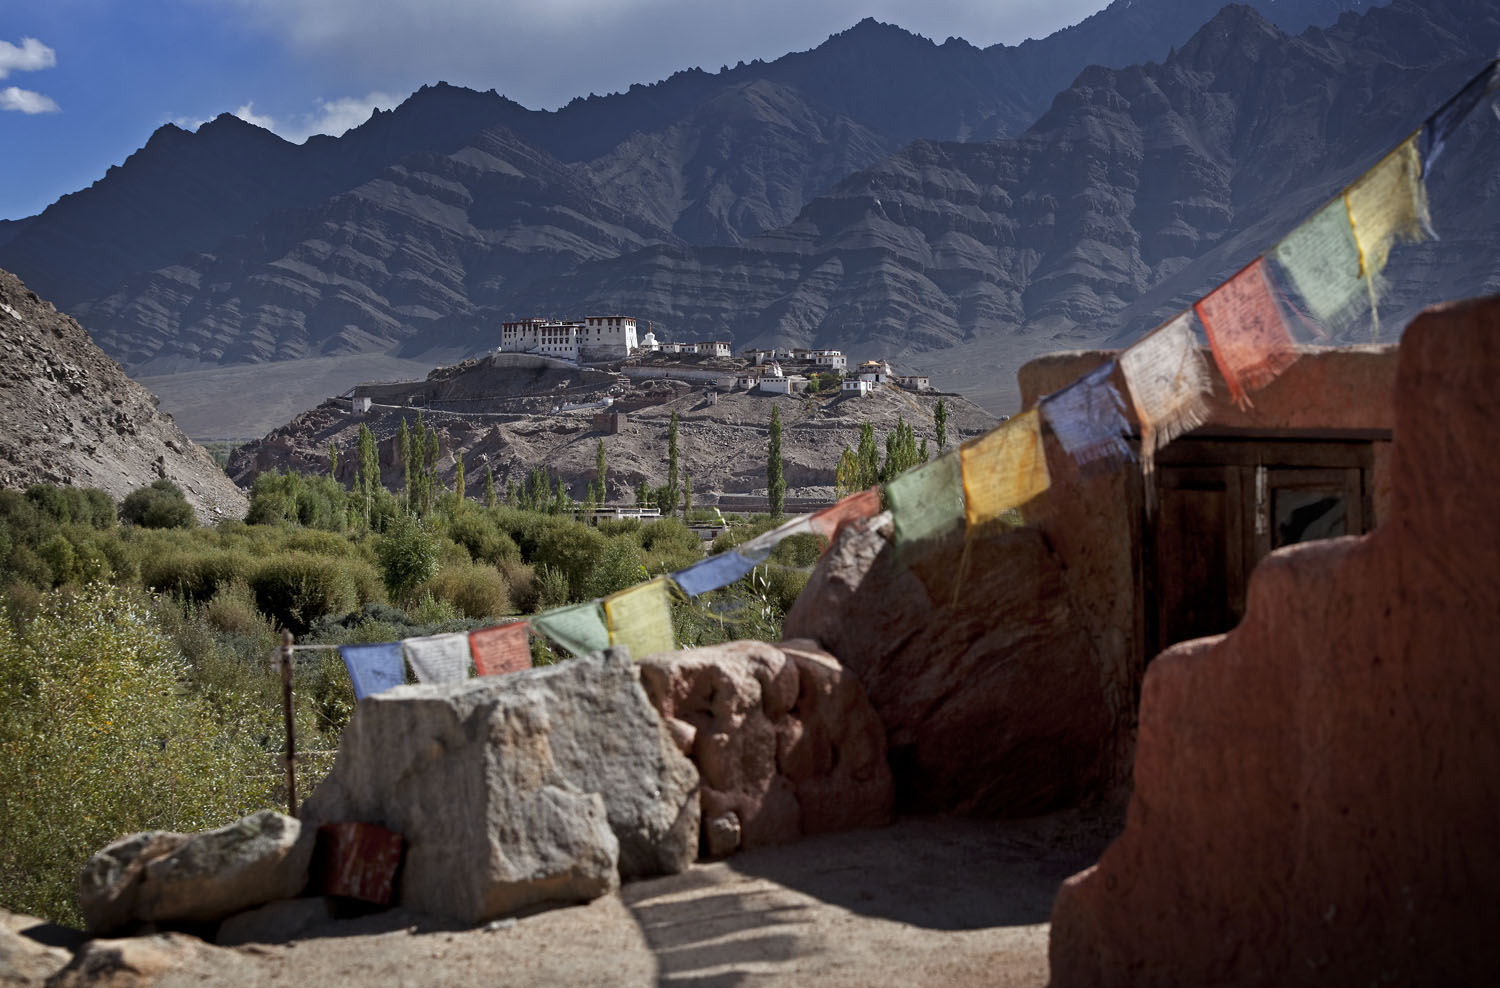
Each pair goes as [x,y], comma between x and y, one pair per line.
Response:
[615,340]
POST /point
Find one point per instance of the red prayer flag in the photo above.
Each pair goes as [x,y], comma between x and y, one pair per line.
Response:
[1249,337]
[358,860]
[865,504]
[501,649]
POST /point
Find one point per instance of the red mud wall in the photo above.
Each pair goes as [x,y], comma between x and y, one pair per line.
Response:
[1317,793]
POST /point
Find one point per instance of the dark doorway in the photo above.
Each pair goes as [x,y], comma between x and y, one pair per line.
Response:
[1226,499]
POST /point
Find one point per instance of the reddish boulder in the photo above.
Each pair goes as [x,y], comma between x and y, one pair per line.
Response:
[1318,792]
[987,682]
[784,739]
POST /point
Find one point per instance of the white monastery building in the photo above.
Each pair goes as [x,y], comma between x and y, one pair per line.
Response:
[597,338]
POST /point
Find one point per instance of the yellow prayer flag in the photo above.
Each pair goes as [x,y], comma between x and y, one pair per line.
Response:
[1386,204]
[641,619]
[1004,468]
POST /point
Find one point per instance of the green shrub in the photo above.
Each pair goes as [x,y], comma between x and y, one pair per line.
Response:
[160,505]
[571,547]
[619,567]
[319,543]
[297,589]
[551,588]
[669,545]
[194,575]
[233,611]
[474,590]
[612,527]
[408,554]
[521,579]
[101,739]
[486,543]
[86,506]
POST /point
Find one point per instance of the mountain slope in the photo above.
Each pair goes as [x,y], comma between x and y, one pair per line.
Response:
[1138,189]
[419,246]
[807,119]
[69,415]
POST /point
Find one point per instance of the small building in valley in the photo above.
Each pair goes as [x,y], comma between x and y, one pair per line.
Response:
[915,382]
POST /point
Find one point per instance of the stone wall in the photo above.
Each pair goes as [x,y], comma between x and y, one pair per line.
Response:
[1317,793]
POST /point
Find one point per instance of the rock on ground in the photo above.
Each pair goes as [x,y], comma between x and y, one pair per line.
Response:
[28,954]
[275,922]
[1318,792]
[195,878]
[974,657]
[785,741]
[547,785]
[166,959]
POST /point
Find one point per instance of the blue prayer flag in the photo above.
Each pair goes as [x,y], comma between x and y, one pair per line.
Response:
[713,573]
[1443,124]
[1088,419]
[374,668]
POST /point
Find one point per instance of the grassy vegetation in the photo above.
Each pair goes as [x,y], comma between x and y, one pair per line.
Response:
[136,684]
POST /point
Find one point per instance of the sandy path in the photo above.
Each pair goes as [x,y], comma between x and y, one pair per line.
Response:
[927,901]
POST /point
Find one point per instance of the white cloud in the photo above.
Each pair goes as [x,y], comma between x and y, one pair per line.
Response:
[32,55]
[26,101]
[332,117]
[247,113]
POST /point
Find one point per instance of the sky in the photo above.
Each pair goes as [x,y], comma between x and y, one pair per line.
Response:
[83,83]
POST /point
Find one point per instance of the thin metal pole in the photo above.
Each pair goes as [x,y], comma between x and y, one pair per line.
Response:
[291,726]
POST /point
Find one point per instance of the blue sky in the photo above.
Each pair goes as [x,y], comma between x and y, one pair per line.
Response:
[83,83]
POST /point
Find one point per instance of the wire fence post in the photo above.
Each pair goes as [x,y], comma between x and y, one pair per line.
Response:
[291,727]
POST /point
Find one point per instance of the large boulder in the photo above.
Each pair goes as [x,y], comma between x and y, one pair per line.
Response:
[158,959]
[546,785]
[974,658]
[785,741]
[28,956]
[158,877]
[1317,793]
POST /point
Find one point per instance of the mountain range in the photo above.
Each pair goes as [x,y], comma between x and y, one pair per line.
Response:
[958,208]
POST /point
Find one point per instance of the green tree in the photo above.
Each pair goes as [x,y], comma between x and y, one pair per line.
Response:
[669,500]
[599,473]
[940,423]
[867,458]
[404,450]
[458,475]
[102,736]
[775,481]
[846,475]
[333,460]
[900,452]
[161,505]
[408,557]
[369,469]
[489,486]
[431,487]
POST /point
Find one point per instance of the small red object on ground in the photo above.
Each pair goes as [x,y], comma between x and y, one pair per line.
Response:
[358,860]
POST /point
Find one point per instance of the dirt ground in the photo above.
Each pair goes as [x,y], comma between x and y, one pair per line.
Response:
[926,901]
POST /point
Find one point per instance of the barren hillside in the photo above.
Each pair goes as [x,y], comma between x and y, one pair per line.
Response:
[69,415]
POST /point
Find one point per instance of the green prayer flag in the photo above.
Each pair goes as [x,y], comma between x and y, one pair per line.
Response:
[1322,260]
[927,502]
[579,629]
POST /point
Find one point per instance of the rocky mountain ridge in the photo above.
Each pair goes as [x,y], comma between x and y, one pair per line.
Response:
[69,415]
[231,245]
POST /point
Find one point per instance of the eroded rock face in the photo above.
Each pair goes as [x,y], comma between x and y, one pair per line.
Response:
[1318,792]
[990,691]
[784,738]
[547,785]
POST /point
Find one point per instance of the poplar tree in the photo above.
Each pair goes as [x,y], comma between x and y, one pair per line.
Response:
[599,487]
[846,476]
[867,457]
[669,499]
[369,468]
[900,451]
[775,481]
[333,460]
[458,476]
[430,488]
[940,421]
[403,449]
[489,486]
